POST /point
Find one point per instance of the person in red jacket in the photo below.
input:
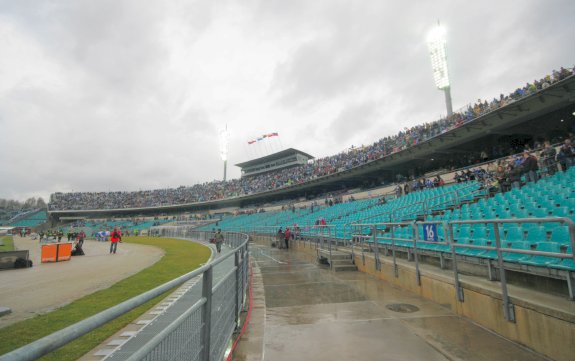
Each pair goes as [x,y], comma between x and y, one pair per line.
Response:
[115,237]
[287,235]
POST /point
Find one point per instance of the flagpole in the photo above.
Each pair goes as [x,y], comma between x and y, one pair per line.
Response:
[267,146]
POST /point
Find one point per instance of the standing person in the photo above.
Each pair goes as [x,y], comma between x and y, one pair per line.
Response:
[530,167]
[115,237]
[219,238]
[398,191]
[287,235]
[566,156]
[548,155]
[280,238]
[81,236]
[514,175]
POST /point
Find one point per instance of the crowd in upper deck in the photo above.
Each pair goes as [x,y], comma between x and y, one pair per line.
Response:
[348,159]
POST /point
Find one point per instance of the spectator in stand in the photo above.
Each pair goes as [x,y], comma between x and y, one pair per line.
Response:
[514,175]
[566,155]
[397,191]
[529,167]
[547,157]
[502,179]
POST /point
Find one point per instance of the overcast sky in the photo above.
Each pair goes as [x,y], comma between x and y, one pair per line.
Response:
[130,94]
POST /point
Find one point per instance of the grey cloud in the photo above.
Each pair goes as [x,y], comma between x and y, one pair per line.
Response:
[352,119]
[116,84]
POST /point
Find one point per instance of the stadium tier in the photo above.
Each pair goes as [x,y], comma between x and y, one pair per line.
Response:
[91,227]
[32,220]
[340,215]
[552,196]
[390,155]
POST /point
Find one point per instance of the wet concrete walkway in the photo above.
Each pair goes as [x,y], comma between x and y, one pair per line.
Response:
[311,313]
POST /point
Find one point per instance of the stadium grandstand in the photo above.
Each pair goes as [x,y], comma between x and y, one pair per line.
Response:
[391,190]
[483,131]
[475,212]
[31,219]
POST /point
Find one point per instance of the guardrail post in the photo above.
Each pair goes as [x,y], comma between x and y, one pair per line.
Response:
[570,284]
[508,309]
[458,289]
[376,251]
[395,268]
[362,245]
[330,256]
[417,272]
[239,286]
[351,242]
[207,316]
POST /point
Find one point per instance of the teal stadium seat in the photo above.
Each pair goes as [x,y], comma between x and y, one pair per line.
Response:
[516,257]
[536,235]
[544,260]
[560,235]
[514,234]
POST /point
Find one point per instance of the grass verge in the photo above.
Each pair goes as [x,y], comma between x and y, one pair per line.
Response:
[8,244]
[180,257]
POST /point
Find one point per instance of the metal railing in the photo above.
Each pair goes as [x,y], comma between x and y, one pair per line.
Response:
[201,332]
[508,308]
[384,234]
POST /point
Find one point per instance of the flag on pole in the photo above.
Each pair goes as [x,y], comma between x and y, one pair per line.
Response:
[264,136]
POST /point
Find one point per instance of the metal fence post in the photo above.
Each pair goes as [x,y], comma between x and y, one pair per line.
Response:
[376,250]
[207,316]
[458,289]
[416,238]
[239,288]
[330,256]
[362,240]
[395,268]
[508,309]
[570,285]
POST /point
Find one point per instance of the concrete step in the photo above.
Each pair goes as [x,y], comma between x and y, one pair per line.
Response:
[341,262]
[343,268]
[334,255]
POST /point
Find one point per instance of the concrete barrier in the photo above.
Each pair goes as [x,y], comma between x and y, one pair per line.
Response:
[8,258]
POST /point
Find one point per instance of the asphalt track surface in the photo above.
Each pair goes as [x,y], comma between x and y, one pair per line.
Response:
[49,286]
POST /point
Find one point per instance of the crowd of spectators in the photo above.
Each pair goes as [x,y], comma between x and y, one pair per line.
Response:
[317,168]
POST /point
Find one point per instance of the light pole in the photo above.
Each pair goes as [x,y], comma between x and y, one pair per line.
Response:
[437,45]
[224,139]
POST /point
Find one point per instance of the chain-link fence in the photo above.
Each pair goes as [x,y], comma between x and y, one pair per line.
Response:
[198,328]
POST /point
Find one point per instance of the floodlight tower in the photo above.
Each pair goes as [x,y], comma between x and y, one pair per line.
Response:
[437,45]
[224,139]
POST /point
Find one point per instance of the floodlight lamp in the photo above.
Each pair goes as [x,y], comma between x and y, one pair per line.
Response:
[224,139]
[437,45]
